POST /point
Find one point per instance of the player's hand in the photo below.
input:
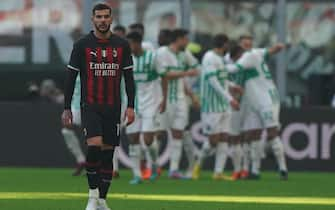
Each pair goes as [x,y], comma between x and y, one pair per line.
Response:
[280,46]
[129,116]
[191,73]
[195,101]
[235,104]
[67,118]
[162,106]
[236,90]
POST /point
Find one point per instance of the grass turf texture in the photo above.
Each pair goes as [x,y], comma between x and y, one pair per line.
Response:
[56,189]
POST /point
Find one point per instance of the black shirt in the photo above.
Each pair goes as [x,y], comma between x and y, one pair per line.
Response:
[101,63]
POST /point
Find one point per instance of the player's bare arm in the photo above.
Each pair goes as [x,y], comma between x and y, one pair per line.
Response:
[276,48]
[194,98]
[224,93]
[235,89]
[164,84]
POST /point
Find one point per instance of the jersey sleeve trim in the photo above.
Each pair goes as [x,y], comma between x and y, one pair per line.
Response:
[240,67]
[72,68]
[211,74]
[174,68]
[194,66]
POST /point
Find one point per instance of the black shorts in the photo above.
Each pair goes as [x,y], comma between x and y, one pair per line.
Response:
[101,121]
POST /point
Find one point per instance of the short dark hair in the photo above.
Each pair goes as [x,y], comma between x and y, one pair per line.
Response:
[119,28]
[235,49]
[245,36]
[178,33]
[220,40]
[137,26]
[164,37]
[101,6]
[135,36]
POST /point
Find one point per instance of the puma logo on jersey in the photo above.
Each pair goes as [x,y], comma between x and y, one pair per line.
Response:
[93,53]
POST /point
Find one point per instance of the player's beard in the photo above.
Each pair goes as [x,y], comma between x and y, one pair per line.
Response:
[103,30]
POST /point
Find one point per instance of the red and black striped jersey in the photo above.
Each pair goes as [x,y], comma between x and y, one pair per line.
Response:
[101,63]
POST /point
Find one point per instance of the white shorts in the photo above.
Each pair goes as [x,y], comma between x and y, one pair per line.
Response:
[177,115]
[76,117]
[143,125]
[261,118]
[214,123]
[162,121]
[236,121]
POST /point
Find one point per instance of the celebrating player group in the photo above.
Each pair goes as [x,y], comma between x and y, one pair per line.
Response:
[126,81]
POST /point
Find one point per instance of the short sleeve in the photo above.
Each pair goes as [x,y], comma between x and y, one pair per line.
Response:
[248,60]
[262,53]
[75,58]
[127,61]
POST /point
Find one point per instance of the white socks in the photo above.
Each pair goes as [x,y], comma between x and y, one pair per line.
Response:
[220,157]
[256,156]
[206,150]
[115,159]
[93,193]
[189,149]
[278,150]
[145,154]
[236,157]
[72,143]
[175,154]
[134,154]
[153,151]
[245,156]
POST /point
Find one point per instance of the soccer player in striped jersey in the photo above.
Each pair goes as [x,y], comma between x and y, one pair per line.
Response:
[102,59]
[263,103]
[172,60]
[216,103]
[236,137]
[149,101]
[240,147]
[146,161]
[70,137]
[246,42]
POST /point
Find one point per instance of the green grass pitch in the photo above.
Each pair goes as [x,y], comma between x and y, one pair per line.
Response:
[56,189]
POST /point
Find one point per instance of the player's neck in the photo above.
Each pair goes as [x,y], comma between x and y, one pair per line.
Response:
[100,35]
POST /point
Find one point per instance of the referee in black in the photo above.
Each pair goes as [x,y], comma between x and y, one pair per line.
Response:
[102,59]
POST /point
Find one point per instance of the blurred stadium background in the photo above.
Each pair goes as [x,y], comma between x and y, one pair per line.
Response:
[36,38]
